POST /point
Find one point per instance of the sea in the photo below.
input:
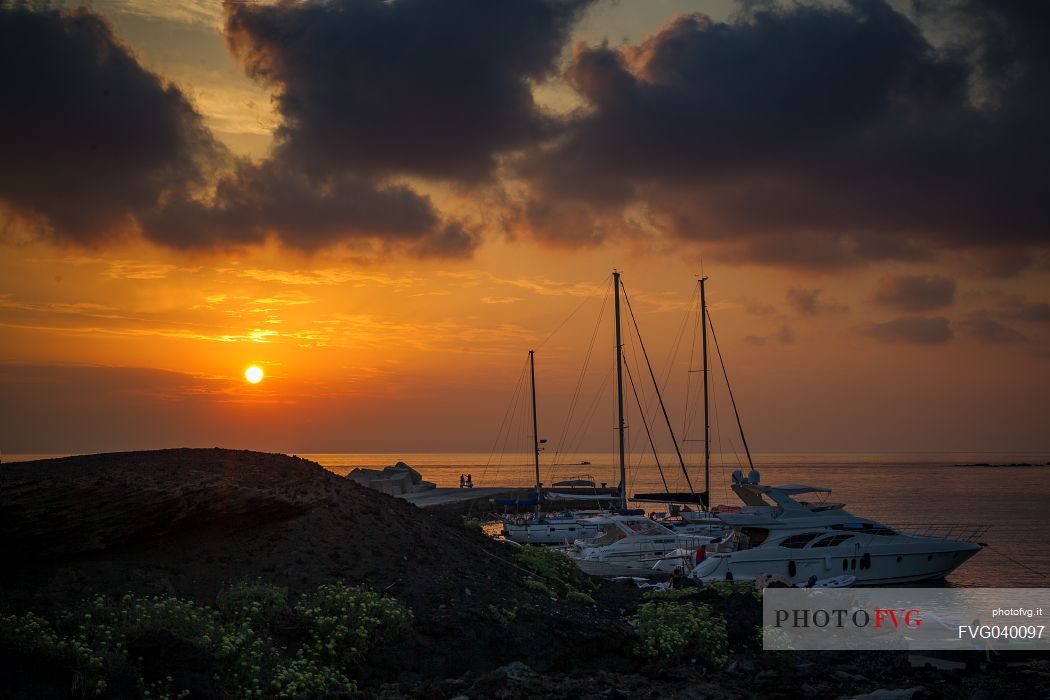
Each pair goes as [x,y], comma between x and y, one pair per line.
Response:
[1007,492]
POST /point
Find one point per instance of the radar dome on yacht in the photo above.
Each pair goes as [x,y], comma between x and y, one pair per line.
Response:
[753,476]
[738,476]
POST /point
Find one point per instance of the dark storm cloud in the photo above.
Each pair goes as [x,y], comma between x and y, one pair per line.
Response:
[816,135]
[88,137]
[914,292]
[808,302]
[919,330]
[256,201]
[436,89]
[95,145]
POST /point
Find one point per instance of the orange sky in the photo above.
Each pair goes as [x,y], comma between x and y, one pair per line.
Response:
[129,344]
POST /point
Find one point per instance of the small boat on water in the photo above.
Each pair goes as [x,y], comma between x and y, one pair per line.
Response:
[774,533]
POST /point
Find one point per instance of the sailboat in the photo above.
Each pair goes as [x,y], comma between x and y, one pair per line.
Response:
[536,527]
[633,543]
[581,527]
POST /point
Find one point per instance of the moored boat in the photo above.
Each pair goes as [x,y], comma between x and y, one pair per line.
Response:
[774,533]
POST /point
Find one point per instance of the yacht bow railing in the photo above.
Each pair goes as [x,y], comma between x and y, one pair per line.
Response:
[940,531]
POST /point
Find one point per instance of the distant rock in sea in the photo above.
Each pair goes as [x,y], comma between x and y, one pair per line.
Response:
[1005,464]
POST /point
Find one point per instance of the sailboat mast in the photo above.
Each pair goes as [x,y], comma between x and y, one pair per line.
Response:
[535,428]
[619,393]
[707,420]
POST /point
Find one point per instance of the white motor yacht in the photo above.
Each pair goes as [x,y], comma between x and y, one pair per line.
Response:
[633,543]
[776,534]
[543,528]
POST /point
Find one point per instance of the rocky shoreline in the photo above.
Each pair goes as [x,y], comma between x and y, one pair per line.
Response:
[189,523]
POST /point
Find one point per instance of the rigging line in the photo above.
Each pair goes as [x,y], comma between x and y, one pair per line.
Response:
[503,423]
[667,418]
[686,420]
[721,452]
[579,383]
[721,361]
[598,399]
[675,347]
[574,312]
[514,398]
[648,433]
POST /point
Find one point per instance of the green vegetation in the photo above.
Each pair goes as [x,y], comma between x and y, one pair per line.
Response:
[504,615]
[345,622]
[554,566]
[472,524]
[329,632]
[534,584]
[579,597]
[261,604]
[671,594]
[728,588]
[676,631]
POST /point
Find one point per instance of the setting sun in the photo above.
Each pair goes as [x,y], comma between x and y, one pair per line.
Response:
[253,374]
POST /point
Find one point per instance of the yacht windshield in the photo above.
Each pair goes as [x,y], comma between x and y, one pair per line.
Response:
[798,541]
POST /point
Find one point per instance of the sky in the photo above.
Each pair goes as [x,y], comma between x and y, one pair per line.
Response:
[385,205]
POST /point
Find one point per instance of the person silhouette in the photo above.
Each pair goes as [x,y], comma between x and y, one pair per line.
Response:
[470,482]
[461,481]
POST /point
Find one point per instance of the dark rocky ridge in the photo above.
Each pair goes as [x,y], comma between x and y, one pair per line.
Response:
[191,521]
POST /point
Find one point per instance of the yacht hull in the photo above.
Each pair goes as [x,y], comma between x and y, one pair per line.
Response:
[878,565]
[549,532]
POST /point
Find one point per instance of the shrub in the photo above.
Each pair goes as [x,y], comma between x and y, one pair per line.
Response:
[728,588]
[259,603]
[345,622]
[538,586]
[472,524]
[668,595]
[342,623]
[673,631]
[579,597]
[553,565]
[303,675]
[504,615]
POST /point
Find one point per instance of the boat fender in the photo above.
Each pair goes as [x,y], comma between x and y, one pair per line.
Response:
[792,569]
[865,561]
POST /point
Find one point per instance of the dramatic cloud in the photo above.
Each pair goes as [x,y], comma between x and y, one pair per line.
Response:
[436,89]
[812,135]
[915,292]
[89,138]
[95,146]
[913,329]
[808,302]
[256,201]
